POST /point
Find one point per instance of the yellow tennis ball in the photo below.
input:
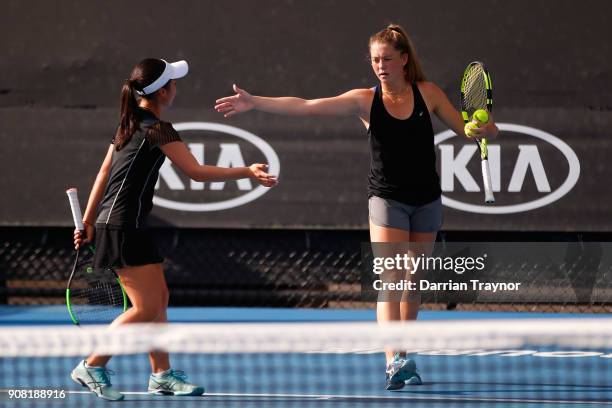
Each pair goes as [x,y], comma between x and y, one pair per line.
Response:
[469,127]
[481,116]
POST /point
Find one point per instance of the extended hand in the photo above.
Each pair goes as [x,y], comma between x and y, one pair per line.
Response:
[259,174]
[230,105]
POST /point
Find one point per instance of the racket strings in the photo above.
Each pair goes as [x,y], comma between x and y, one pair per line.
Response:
[475,90]
[96,295]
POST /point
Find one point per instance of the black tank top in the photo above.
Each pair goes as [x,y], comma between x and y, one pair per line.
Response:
[403,157]
[128,198]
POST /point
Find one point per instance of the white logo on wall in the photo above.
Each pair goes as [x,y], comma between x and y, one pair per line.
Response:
[230,155]
[453,166]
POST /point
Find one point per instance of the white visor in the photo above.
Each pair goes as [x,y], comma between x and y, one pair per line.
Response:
[174,70]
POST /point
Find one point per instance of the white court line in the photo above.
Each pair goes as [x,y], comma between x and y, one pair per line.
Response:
[395,396]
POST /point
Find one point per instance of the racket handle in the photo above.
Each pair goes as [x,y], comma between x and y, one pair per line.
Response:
[486,181]
[75,207]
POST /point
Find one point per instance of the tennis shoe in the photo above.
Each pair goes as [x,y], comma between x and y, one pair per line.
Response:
[401,372]
[172,382]
[97,380]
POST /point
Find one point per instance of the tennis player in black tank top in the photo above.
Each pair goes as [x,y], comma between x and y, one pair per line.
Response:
[119,204]
[401,149]
[403,185]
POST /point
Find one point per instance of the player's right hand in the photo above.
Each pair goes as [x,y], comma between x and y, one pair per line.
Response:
[230,105]
[471,129]
[79,239]
[259,173]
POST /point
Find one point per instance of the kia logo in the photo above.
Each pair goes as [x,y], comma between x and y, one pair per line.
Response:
[528,160]
[230,155]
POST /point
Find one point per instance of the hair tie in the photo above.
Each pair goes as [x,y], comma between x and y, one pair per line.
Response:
[130,83]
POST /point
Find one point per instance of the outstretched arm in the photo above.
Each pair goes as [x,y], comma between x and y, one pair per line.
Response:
[178,153]
[347,104]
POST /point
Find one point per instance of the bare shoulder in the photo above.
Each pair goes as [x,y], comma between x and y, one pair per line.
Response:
[432,94]
[364,97]
[429,89]
[361,93]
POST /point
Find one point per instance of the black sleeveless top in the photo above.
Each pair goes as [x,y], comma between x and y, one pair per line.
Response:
[403,157]
[128,198]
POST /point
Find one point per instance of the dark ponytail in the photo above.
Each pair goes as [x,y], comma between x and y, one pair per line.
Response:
[143,74]
[129,122]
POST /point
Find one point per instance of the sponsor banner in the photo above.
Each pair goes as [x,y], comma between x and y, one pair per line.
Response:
[521,152]
[550,166]
[541,179]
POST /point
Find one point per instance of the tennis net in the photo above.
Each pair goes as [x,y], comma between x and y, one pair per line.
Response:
[510,363]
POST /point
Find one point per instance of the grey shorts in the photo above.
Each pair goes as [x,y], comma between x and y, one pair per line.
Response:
[385,212]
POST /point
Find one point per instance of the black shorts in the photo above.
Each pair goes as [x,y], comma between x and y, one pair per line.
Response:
[120,247]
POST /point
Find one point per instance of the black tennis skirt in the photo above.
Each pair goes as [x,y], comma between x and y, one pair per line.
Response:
[120,247]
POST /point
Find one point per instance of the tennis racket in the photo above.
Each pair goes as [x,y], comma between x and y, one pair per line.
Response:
[477,93]
[93,295]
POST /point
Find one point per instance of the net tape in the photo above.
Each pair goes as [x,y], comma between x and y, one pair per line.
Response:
[302,337]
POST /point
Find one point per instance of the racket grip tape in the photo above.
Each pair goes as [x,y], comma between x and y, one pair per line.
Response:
[486,181]
[75,207]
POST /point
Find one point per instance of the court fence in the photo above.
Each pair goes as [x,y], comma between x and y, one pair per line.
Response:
[311,269]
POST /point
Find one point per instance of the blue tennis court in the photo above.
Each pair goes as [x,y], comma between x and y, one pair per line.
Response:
[537,376]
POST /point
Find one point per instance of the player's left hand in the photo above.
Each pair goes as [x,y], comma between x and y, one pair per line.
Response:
[482,130]
[259,174]
[490,129]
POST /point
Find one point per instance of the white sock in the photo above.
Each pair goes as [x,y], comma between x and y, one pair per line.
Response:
[88,366]
[158,375]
